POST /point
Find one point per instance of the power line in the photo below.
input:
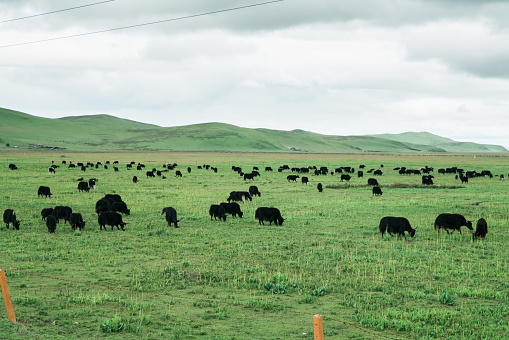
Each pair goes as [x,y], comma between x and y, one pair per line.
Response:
[144,24]
[57,11]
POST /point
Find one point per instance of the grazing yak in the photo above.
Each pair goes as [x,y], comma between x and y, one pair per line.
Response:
[135,179]
[249,176]
[292,178]
[319,187]
[305,180]
[45,212]
[150,174]
[373,182]
[451,221]
[62,212]
[345,177]
[51,223]
[113,197]
[238,196]
[481,229]
[217,211]
[377,191]
[396,225]
[120,207]
[10,218]
[232,209]
[111,218]
[76,221]
[44,191]
[91,182]
[427,180]
[253,191]
[171,216]
[103,205]
[178,173]
[83,186]
[268,214]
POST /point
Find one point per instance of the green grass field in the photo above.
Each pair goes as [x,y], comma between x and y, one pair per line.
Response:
[241,280]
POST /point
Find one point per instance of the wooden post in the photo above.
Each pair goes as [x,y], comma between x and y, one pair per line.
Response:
[318,327]
[7,297]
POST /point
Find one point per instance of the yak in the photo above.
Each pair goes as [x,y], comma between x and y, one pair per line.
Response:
[51,223]
[396,225]
[10,218]
[217,211]
[270,215]
[45,212]
[44,191]
[232,209]
[76,221]
[237,196]
[377,191]
[451,221]
[111,218]
[481,229]
[171,216]
[62,212]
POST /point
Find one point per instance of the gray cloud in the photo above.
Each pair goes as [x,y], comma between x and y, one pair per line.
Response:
[335,67]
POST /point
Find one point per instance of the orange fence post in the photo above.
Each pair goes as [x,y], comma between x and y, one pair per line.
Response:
[7,297]
[318,327]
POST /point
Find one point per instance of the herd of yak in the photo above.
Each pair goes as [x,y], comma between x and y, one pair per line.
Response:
[110,207]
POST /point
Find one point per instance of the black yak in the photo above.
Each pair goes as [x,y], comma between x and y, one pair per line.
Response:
[45,212]
[481,229]
[268,214]
[51,223]
[171,216]
[62,212]
[76,221]
[44,191]
[217,211]
[232,209]
[10,218]
[451,221]
[396,225]
[111,218]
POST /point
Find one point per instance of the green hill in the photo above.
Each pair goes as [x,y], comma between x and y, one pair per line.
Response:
[107,120]
[104,132]
[448,145]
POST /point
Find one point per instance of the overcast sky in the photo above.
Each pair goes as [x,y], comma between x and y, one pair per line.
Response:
[349,67]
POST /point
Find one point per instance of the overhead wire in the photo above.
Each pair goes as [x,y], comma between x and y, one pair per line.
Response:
[57,11]
[143,24]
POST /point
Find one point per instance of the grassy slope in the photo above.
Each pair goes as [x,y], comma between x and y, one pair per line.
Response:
[106,120]
[215,280]
[103,132]
[446,144]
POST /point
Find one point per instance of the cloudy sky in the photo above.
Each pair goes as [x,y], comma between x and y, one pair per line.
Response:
[338,67]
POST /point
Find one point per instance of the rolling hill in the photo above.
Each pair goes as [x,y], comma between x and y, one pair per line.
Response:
[104,132]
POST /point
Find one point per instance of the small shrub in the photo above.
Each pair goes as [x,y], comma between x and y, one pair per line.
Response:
[275,288]
[446,298]
[308,299]
[320,291]
[121,324]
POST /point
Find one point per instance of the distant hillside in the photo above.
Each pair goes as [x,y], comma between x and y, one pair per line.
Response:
[96,132]
[446,144]
[107,120]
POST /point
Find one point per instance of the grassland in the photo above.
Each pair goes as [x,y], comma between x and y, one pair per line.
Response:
[103,132]
[240,280]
